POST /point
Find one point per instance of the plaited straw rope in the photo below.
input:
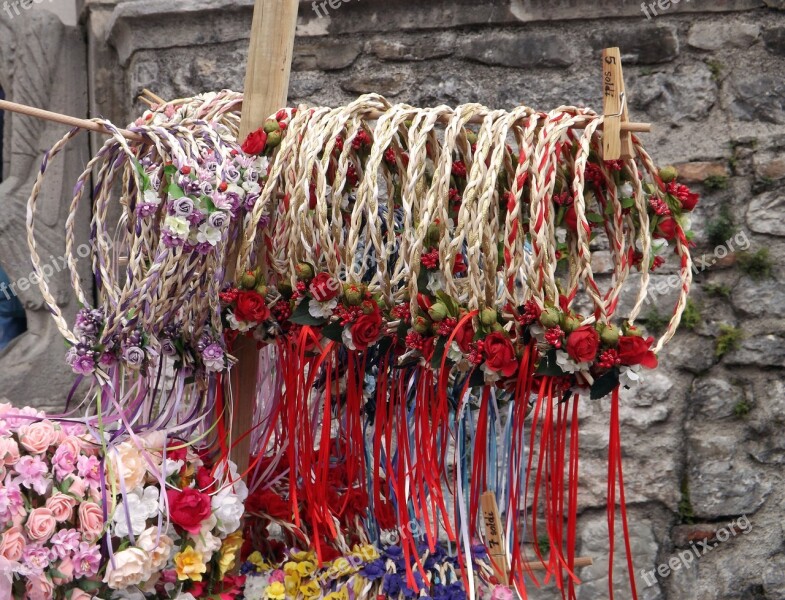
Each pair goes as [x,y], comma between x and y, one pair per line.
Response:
[392,202]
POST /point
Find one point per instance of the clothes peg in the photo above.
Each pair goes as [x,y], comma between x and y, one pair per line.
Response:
[616,138]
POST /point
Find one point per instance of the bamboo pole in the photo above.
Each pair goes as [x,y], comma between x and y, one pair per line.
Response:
[266,87]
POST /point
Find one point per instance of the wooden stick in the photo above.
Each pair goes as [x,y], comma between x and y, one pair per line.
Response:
[580,561]
[153,96]
[494,537]
[40,113]
[612,88]
[266,88]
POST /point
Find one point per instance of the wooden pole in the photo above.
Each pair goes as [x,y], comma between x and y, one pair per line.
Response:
[266,87]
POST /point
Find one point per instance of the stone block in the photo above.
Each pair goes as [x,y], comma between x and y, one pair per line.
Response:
[716,35]
[521,49]
[764,213]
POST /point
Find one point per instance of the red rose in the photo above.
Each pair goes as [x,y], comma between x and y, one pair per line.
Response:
[499,354]
[324,287]
[255,142]
[666,229]
[204,480]
[251,307]
[465,337]
[682,193]
[188,508]
[634,350]
[366,329]
[582,344]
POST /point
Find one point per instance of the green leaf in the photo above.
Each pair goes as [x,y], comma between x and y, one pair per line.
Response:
[548,365]
[605,384]
[593,217]
[301,316]
[174,191]
[449,302]
[142,175]
[627,202]
[333,331]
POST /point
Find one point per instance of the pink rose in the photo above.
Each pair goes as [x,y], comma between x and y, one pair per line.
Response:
[12,544]
[91,520]
[40,524]
[78,487]
[39,588]
[78,594]
[66,568]
[9,451]
[37,437]
[61,505]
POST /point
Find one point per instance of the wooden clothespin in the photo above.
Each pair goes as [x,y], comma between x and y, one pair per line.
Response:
[616,139]
[494,538]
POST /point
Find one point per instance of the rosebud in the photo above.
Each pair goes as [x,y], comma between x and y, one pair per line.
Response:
[420,324]
[262,290]
[488,316]
[668,174]
[550,317]
[353,294]
[570,323]
[438,312]
[471,137]
[271,125]
[424,302]
[628,329]
[433,234]
[304,271]
[248,280]
[273,139]
[609,334]
[368,307]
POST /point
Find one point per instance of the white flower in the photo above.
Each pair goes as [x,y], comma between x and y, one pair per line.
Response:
[241,326]
[322,310]
[346,337]
[626,190]
[490,374]
[255,587]
[170,467]
[262,163]
[436,282]
[206,543]
[177,226]
[251,187]
[185,596]
[630,376]
[208,234]
[137,507]
[235,189]
[455,354]
[150,197]
[228,509]
[568,365]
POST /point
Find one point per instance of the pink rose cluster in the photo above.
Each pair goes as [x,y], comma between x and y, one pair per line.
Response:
[51,517]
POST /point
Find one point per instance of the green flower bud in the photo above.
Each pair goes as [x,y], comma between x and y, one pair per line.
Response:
[488,317]
[271,125]
[273,139]
[262,290]
[471,137]
[353,294]
[304,271]
[433,234]
[248,280]
[668,174]
[421,324]
[438,312]
[631,330]
[550,317]
[610,335]
[497,327]
[570,323]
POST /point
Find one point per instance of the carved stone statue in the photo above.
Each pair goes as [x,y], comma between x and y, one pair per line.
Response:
[42,63]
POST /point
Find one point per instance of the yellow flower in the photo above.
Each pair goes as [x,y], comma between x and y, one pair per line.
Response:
[257,561]
[312,589]
[290,568]
[342,594]
[189,564]
[367,552]
[303,555]
[305,568]
[229,549]
[292,582]
[276,591]
[341,567]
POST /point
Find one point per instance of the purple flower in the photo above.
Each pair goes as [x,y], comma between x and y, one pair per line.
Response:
[10,499]
[232,174]
[83,364]
[195,218]
[182,207]
[64,461]
[87,560]
[64,543]
[145,210]
[218,219]
[171,241]
[89,469]
[36,558]
[207,188]
[213,357]
[250,201]
[252,174]
[391,584]
[168,348]
[133,356]
[373,570]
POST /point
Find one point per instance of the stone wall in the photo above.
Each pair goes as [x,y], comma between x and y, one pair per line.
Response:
[704,441]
